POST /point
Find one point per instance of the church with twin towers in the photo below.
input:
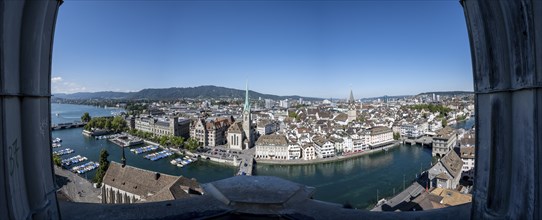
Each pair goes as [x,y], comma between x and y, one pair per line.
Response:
[241,134]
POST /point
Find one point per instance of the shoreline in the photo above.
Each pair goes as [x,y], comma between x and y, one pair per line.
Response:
[279,162]
[326,160]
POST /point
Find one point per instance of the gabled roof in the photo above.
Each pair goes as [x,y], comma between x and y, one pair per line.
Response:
[320,141]
[136,181]
[274,139]
[236,128]
[428,201]
[342,117]
[177,190]
[443,176]
[323,114]
[467,152]
[468,140]
[452,163]
[445,133]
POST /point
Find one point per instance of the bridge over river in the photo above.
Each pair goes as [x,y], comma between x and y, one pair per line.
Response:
[68,125]
[424,141]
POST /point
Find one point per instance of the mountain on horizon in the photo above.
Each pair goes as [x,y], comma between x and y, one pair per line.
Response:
[207,91]
[446,93]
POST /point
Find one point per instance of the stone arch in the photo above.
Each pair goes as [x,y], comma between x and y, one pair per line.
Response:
[506,46]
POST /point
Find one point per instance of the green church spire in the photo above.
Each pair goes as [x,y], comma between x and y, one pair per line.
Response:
[247,101]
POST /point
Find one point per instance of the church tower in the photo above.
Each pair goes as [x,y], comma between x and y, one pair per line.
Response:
[352,112]
[247,121]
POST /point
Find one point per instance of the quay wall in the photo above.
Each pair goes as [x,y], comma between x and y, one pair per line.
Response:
[326,160]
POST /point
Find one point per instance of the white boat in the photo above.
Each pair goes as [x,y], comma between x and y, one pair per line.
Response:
[180,165]
[57,140]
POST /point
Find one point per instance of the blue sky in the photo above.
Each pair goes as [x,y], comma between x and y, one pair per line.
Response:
[308,48]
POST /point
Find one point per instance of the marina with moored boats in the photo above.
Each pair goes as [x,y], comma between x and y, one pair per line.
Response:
[63,152]
[159,155]
[73,160]
[181,162]
[85,167]
[141,150]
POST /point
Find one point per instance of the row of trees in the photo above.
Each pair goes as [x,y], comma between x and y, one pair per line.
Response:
[115,124]
[190,144]
[443,110]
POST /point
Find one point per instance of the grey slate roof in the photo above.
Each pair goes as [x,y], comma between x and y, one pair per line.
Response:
[146,184]
[452,163]
[467,152]
[274,139]
[236,128]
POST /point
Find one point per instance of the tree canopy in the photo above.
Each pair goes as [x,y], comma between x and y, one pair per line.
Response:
[396,136]
[443,110]
[85,117]
[57,160]
[172,141]
[104,165]
[192,144]
[116,124]
[444,122]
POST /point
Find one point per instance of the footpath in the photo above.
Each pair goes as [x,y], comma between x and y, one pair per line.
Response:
[77,188]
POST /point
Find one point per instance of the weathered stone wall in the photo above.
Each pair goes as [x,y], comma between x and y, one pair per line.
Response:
[505,38]
[26,169]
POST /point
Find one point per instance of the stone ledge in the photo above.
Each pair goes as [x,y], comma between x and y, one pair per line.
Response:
[292,203]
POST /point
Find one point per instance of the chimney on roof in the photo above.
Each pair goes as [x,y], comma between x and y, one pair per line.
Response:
[156,176]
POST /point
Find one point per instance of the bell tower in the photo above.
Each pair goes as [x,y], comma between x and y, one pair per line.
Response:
[247,120]
[352,112]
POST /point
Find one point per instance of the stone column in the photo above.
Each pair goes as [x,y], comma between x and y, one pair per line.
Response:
[104,194]
[125,198]
[506,48]
[118,197]
[27,187]
[112,198]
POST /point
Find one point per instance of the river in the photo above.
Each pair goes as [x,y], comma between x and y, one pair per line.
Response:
[355,181]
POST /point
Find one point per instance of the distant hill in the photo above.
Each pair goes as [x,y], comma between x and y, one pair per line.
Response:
[214,92]
[385,97]
[441,93]
[447,93]
[93,95]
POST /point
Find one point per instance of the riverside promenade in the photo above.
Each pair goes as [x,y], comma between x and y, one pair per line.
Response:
[328,160]
[76,188]
[247,162]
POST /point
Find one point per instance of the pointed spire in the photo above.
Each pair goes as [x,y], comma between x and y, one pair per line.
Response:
[351,99]
[247,101]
